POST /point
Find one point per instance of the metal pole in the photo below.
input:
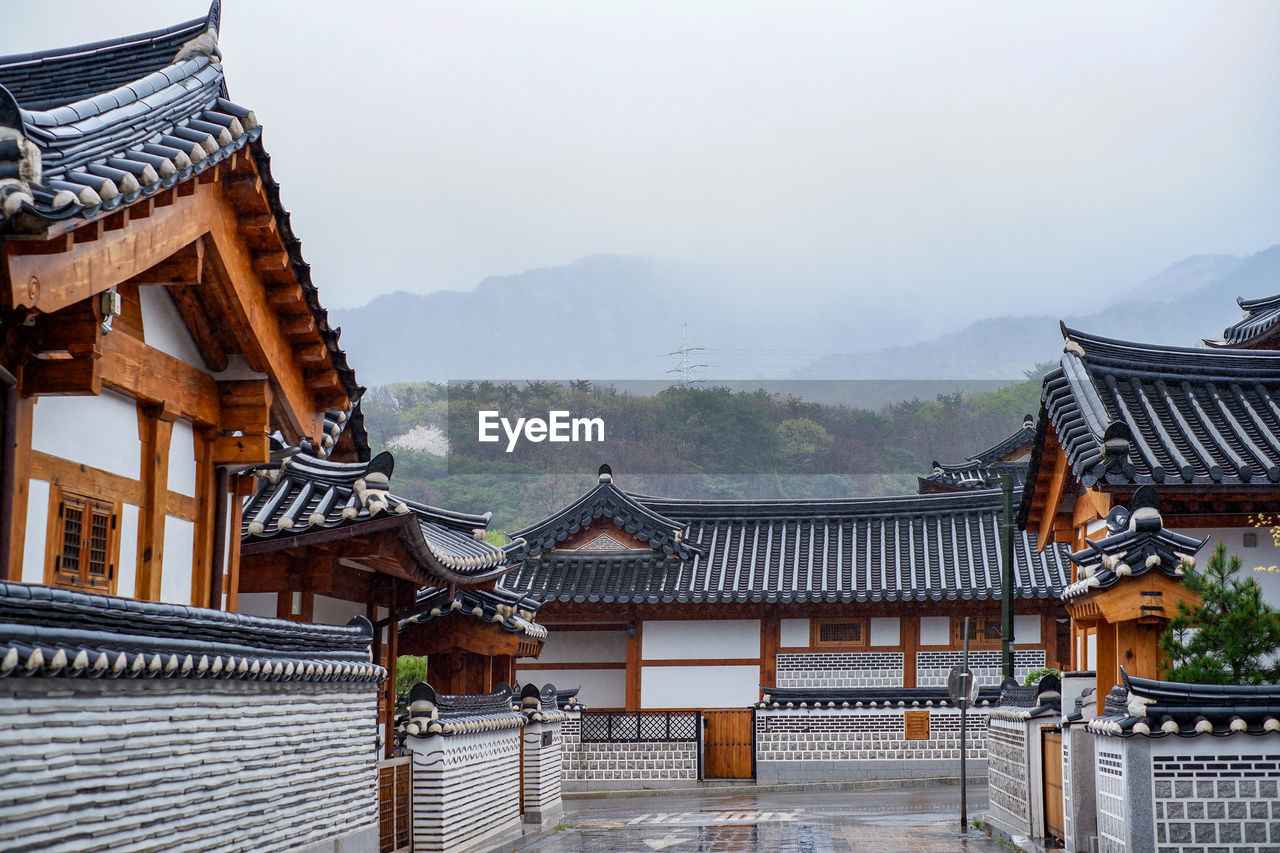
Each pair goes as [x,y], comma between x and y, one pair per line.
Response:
[1006,579]
[964,738]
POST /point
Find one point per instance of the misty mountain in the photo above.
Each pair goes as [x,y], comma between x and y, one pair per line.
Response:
[1191,300]
[618,317]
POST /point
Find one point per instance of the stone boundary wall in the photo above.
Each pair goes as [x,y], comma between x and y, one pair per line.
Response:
[466,790]
[199,765]
[840,669]
[543,772]
[1008,765]
[628,764]
[824,744]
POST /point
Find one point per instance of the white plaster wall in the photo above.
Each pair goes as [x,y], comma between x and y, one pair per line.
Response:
[699,686]
[795,632]
[935,630]
[330,611]
[688,639]
[98,431]
[1260,562]
[175,571]
[1026,629]
[182,459]
[601,688]
[257,604]
[584,647]
[163,327]
[33,549]
[127,568]
[886,631]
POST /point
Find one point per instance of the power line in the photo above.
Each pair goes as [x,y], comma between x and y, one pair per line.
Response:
[684,369]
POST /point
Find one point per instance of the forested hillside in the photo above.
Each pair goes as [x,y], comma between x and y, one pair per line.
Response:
[685,442]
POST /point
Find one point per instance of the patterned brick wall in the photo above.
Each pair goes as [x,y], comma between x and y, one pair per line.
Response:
[1203,801]
[466,789]
[1068,820]
[1111,800]
[861,735]
[633,762]
[840,669]
[543,769]
[1007,766]
[185,764]
[932,667]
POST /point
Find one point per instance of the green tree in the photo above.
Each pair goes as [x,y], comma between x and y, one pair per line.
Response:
[1232,637]
[410,670]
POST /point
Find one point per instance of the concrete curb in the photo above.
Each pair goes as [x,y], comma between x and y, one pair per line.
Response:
[776,788]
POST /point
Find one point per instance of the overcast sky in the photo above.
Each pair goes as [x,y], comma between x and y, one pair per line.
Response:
[977,157]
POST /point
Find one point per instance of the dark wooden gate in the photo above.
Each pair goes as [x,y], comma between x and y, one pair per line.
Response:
[730,745]
[1054,808]
[395,805]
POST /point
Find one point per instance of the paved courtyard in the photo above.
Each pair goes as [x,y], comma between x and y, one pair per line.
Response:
[912,820]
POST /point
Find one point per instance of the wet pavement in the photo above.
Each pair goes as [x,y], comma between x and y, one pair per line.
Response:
[901,820]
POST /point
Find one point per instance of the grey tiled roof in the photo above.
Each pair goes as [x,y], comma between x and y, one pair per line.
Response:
[1139,544]
[1131,414]
[983,470]
[912,548]
[511,612]
[305,498]
[865,697]
[51,631]
[87,130]
[1258,326]
[1145,706]
[608,501]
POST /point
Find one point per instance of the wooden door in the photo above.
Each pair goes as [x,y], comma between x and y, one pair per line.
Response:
[729,745]
[1054,808]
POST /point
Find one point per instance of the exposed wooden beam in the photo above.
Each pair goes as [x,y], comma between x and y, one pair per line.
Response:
[64,377]
[202,331]
[1050,510]
[155,377]
[185,266]
[241,449]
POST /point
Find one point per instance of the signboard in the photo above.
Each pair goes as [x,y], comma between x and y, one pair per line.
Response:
[916,725]
[962,686]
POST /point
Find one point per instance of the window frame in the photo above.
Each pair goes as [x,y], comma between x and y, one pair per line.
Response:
[815,633]
[980,641]
[59,497]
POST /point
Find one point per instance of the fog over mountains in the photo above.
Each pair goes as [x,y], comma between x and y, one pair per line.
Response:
[619,317]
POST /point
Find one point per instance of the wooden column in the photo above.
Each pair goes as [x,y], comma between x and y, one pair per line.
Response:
[1049,639]
[1108,673]
[389,687]
[634,640]
[241,487]
[21,485]
[770,638]
[155,429]
[206,511]
[909,626]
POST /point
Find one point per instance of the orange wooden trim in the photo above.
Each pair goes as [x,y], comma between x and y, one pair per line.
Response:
[144,372]
[21,485]
[156,433]
[634,667]
[704,662]
[184,507]
[235,511]
[80,477]
[909,632]
[541,665]
[1050,509]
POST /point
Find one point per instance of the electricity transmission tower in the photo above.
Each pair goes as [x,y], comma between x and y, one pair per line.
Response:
[685,367]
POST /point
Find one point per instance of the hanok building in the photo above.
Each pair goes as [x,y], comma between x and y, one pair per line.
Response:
[667,603]
[984,470]
[159,321]
[1202,426]
[158,326]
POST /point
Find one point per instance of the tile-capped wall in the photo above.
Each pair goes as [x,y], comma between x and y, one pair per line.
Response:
[186,764]
[839,669]
[1007,762]
[466,790]
[932,667]
[864,735]
[640,764]
[1109,767]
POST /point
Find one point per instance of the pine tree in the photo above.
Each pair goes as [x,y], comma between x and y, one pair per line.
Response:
[1233,637]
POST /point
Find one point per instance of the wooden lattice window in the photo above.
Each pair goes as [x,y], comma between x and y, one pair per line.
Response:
[838,632]
[85,542]
[984,631]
